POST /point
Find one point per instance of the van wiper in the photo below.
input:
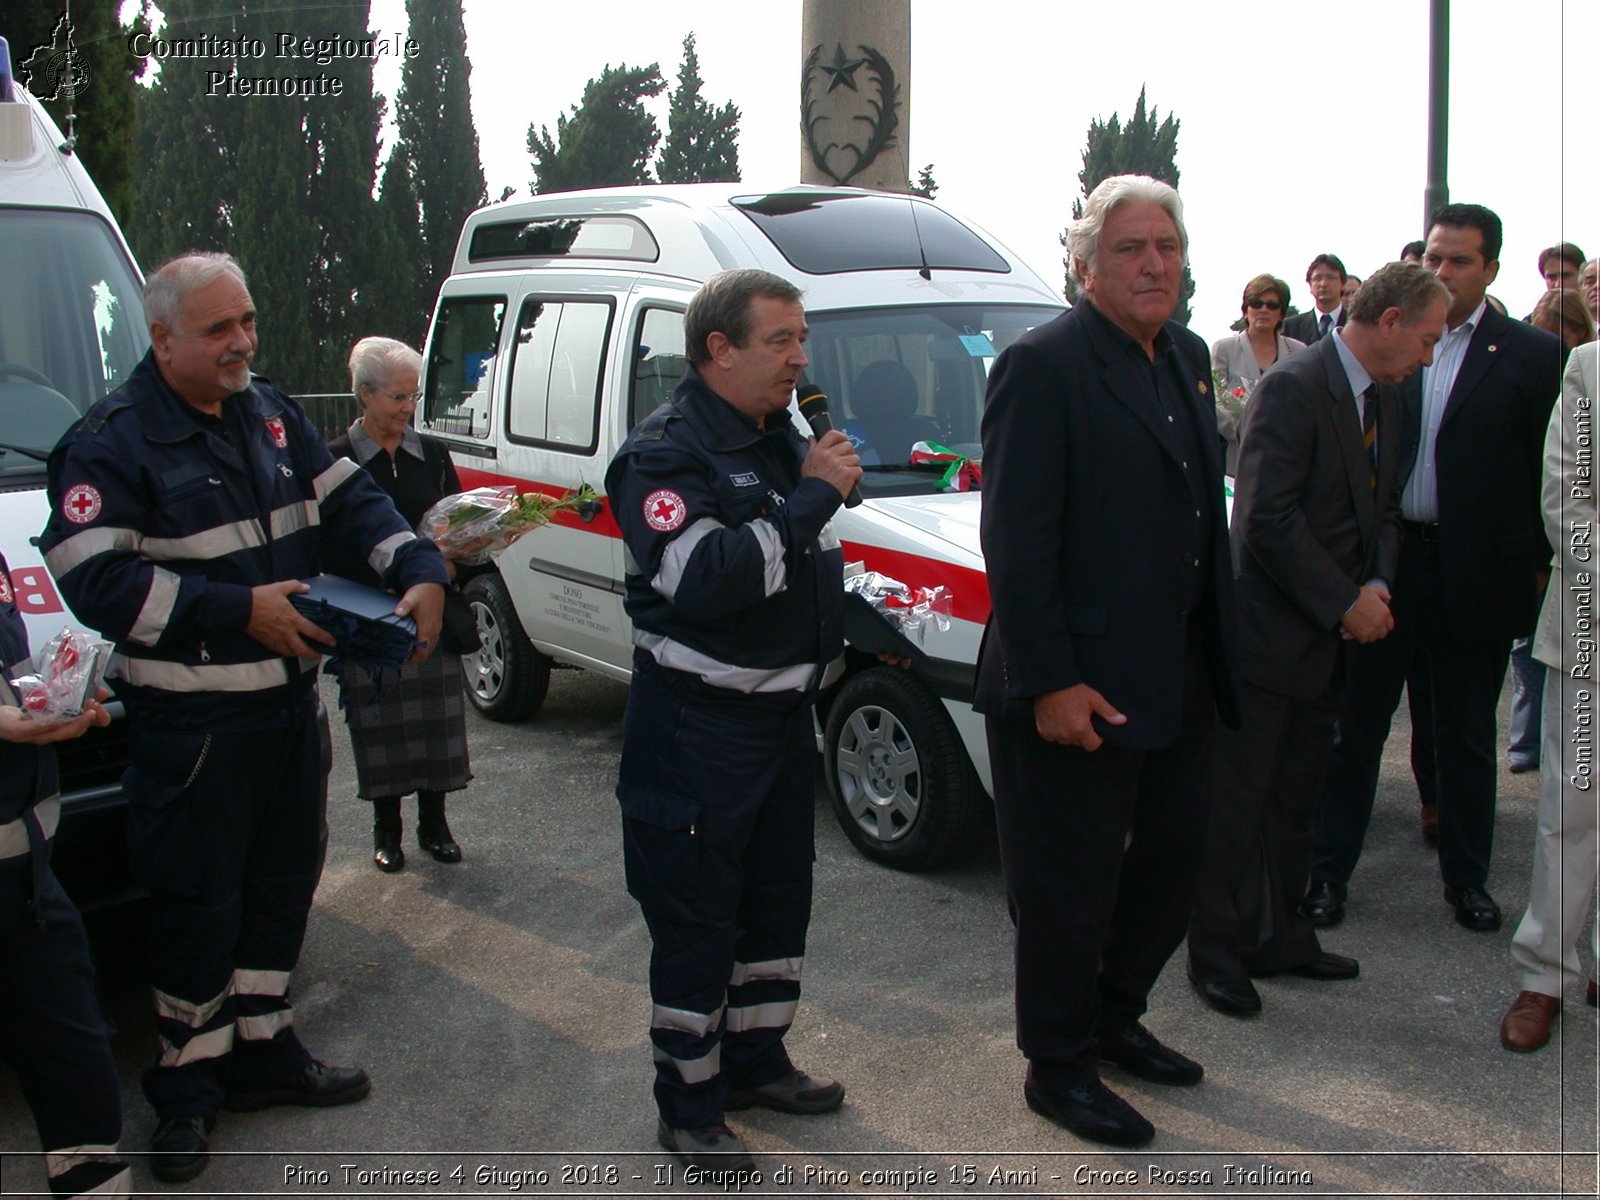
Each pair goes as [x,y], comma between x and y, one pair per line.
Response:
[36,455]
[936,468]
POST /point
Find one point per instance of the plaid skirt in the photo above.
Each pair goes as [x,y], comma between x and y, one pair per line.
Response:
[408,728]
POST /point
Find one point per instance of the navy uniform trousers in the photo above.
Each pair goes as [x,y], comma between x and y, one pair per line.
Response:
[224,830]
[53,1035]
[717,829]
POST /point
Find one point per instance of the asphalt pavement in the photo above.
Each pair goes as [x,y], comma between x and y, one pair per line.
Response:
[500,1006]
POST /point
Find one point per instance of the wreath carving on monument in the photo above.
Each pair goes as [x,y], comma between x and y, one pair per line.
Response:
[882,120]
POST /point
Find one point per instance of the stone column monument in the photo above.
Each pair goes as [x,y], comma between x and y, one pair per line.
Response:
[855,93]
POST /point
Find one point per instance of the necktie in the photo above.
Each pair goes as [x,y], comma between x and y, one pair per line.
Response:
[1325,326]
[1369,428]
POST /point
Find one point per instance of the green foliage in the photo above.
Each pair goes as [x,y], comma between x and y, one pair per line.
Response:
[925,185]
[1147,145]
[104,107]
[608,140]
[438,143]
[702,143]
[283,183]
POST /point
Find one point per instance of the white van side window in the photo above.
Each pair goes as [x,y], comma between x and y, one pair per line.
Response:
[658,362]
[556,365]
[466,339]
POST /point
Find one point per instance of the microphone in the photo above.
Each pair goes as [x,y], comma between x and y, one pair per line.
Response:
[814,408]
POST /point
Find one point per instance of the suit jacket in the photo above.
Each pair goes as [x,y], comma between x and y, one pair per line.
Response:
[1234,358]
[1308,526]
[1488,463]
[1570,517]
[1306,327]
[1088,520]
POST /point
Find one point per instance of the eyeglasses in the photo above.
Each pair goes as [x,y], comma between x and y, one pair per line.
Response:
[414,397]
[1324,277]
[1258,302]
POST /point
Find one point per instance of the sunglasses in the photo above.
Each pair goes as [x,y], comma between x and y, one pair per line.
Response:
[1258,302]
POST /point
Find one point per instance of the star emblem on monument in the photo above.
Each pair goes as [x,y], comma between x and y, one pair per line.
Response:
[842,69]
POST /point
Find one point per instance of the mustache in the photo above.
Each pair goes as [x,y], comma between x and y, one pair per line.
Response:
[229,360]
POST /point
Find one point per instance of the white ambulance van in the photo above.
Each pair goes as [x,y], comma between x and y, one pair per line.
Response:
[561,325]
[71,329]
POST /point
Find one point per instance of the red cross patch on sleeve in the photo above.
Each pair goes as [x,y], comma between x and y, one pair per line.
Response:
[81,504]
[664,511]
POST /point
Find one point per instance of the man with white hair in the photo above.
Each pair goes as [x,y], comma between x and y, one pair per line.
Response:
[185,509]
[1105,661]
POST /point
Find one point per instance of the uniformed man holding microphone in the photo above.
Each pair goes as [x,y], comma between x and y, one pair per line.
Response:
[735,588]
[185,508]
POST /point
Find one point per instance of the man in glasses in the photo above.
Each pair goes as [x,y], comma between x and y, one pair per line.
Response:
[1326,277]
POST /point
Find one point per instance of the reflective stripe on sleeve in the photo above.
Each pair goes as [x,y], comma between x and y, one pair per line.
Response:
[828,539]
[382,555]
[156,611]
[683,1020]
[216,542]
[339,470]
[720,674]
[292,518]
[675,560]
[14,834]
[693,1070]
[774,968]
[81,547]
[776,575]
[776,1015]
[207,677]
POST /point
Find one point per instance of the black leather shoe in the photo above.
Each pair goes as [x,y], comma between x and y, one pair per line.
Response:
[317,1086]
[1475,908]
[716,1148]
[1091,1111]
[1324,903]
[438,842]
[1236,998]
[1324,966]
[386,852]
[1136,1050]
[180,1149]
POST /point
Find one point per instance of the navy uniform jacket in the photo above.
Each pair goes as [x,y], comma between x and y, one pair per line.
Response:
[27,773]
[159,529]
[734,575]
[1090,524]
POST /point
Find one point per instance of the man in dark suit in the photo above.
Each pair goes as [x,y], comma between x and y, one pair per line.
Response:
[1326,278]
[1316,540]
[1106,657]
[1468,581]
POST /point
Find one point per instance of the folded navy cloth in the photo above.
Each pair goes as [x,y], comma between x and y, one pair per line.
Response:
[361,619]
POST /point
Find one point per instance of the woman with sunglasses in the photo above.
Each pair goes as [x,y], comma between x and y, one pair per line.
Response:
[1239,359]
[408,730]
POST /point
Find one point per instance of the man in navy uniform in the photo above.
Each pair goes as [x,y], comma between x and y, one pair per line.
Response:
[735,587]
[185,508]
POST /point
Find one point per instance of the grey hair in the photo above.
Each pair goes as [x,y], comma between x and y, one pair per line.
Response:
[1083,239]
[374,359]
[166,289]
[1408,286]
[722,305]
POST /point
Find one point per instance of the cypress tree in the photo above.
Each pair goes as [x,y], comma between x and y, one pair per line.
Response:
[608,140]
[702,143]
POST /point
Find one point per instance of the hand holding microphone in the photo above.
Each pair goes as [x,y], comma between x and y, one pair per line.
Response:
[833,458]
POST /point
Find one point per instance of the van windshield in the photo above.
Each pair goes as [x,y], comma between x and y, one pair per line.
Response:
[71,326]
[904,380]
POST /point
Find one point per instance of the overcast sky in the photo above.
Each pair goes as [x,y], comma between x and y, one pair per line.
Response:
[1303,128]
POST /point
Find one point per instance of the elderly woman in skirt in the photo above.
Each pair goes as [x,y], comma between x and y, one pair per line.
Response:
[409,733]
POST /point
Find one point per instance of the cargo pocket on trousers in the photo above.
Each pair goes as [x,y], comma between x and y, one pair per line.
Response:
[163,833]
[662,852]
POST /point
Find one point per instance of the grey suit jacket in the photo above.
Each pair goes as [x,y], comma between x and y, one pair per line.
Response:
[1309,528]
[1233,359]
[1571,520]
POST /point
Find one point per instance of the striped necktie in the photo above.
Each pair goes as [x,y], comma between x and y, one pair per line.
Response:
[1325,326]
[1369,429]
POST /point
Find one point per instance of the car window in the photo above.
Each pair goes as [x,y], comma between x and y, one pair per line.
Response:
[556,366]
[658,362]
[466,338]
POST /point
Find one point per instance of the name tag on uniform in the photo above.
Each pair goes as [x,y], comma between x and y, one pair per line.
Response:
[745,479]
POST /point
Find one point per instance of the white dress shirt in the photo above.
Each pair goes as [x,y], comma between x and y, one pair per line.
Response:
[1420,500]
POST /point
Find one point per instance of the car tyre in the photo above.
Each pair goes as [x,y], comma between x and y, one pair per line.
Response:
[506,677]
[898,775]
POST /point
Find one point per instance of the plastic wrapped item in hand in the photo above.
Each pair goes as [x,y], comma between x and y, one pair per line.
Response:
[69,668]
[470,527]
[908,609]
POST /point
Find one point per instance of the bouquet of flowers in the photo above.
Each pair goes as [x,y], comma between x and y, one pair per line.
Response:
[470,527]
[908,609]
[70,667]
[1232,394]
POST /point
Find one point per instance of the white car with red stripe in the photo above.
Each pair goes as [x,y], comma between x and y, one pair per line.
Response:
[561,326]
